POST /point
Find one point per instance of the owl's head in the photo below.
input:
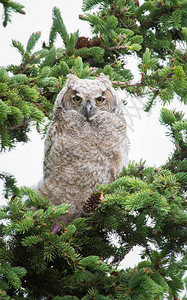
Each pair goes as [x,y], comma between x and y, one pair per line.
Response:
[87,97]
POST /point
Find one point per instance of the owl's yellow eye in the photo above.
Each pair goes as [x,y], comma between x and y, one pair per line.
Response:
[77,99]
[99,100]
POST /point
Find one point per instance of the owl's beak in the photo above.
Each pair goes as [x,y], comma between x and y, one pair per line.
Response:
[88,110]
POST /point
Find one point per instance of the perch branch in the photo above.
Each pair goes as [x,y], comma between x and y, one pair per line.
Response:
[124,84]
[115,61]
[115,47]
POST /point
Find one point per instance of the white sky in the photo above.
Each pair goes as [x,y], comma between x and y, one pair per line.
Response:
[147,136]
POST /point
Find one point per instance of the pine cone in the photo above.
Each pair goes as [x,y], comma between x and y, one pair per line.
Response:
[56,228]
[96,42]
[93,201]
[82,43]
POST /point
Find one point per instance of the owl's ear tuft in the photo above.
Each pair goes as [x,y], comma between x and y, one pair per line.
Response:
[71,78]
[104,78]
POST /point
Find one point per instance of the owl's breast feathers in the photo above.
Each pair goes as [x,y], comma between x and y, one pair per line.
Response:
[103,133]
[77,150]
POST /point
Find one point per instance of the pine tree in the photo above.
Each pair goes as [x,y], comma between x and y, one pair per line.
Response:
[40,257]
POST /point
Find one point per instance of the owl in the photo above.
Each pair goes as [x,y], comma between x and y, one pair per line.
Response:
[86,144]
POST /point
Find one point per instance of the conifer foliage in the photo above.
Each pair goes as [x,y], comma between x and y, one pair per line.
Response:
[9,6]
[40,256]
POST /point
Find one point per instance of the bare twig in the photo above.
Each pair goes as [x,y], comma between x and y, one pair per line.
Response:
[47,293]
[152,89]
[117,260]
[122,12]
[15,127]
[126,26]
[124,84]
[123,37]
[115,61]
[116,47]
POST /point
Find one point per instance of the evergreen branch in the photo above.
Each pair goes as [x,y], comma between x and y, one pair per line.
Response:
[115,61]
[117,47]
[59,25]
[8,6]
[125,84]
[130,26]
[6,16]
[16,127]
[32,41]
[90,4]
[123,37]
[10,185]
[19,46]
[52,35]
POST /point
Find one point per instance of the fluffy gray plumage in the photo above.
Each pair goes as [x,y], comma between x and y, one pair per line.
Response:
[86,143]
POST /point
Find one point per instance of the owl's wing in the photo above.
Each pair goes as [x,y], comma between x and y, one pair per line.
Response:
[50,139]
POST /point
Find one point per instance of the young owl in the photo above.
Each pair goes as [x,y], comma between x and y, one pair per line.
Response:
[86,143]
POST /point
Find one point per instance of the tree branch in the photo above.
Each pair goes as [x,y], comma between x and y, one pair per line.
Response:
[123,37]
[115,47]
[115,61]
[15,127]
[124,25]
[124,84]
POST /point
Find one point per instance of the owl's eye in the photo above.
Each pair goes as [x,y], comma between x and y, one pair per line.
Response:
[99,100]
[77,99]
